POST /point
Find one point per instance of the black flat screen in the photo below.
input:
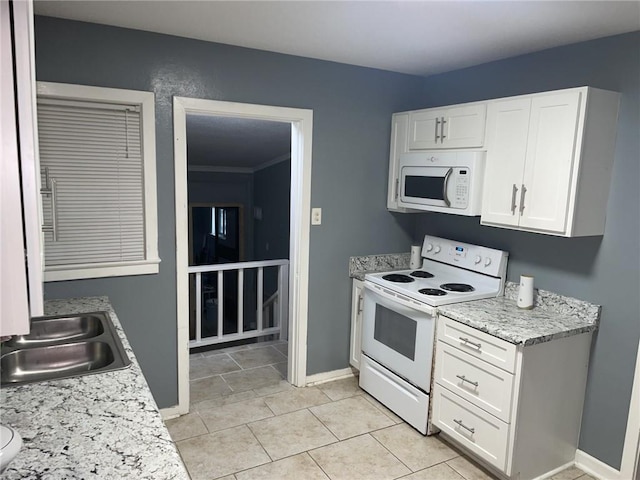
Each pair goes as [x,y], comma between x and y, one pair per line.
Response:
[424,187]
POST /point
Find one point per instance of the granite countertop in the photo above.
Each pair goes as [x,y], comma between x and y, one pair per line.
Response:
[360,266]
[102,426]
[554,316]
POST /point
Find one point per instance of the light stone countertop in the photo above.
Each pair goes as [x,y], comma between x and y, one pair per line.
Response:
[360,266]
[103,426]
[554,316]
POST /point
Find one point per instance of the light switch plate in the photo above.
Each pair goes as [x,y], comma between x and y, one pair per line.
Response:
[316,216]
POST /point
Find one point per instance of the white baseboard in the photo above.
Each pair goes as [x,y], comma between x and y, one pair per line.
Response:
[595,467]
[324,377]
[554,471]
[170,412]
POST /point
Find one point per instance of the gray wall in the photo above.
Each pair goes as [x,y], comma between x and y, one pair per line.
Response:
[602,270]
[352,107]
[271,193]
[222,187]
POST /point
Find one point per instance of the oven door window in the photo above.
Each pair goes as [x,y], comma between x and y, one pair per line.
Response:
[395,331]
[398,336]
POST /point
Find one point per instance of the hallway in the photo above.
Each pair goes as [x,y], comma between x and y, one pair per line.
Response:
[242,371]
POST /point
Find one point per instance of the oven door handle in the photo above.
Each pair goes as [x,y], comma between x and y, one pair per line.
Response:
[399,299]
[445,187]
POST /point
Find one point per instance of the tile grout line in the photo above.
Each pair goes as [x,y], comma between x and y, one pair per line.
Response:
[392,454]
[259,443]
[324,425]
[319,466]
[234,361]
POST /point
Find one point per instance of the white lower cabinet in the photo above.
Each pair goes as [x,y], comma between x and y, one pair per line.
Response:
[516,409]
[487,386]
[483,434]
[357,304]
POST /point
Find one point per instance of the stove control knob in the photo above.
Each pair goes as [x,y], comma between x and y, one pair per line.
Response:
[437,249]
[478,259]
[429,247]
[487,261]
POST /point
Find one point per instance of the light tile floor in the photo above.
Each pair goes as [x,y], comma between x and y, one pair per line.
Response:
[248,423]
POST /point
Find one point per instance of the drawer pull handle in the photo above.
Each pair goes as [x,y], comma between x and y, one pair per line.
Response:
[467,342]
[465,379]
[469,429]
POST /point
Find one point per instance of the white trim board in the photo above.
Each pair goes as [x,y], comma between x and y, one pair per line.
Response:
[325,377]
[631,448]
[601,470]
[301,121]
[596,468]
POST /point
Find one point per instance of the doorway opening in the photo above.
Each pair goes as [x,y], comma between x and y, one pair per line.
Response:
[226,220]
[216,236]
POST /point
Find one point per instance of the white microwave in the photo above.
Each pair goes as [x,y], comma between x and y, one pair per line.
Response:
[447,181]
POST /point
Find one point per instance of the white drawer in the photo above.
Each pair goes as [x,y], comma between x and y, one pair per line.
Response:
[483,384]
[395,393]
[479,344]
[471,427]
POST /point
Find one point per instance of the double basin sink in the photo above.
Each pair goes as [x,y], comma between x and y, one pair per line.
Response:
[62,347]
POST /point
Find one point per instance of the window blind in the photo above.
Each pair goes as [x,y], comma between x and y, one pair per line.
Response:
[92,181]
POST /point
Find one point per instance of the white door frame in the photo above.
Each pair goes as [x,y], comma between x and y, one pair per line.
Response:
[301,135]
[631,448]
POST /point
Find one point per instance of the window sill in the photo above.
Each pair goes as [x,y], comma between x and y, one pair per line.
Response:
[79,272]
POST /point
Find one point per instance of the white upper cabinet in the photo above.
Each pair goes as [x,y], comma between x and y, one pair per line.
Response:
[434,128]
[399,145]
[451,127]
[549,160]
[20,280]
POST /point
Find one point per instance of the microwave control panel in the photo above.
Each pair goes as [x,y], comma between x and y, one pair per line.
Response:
[459,197]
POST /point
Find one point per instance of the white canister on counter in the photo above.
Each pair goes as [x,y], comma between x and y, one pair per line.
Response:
[416,257]
[525,293]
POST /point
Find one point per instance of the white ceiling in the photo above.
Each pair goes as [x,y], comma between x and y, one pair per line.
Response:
[414,37]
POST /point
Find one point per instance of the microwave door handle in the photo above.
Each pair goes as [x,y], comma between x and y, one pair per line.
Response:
[446,186]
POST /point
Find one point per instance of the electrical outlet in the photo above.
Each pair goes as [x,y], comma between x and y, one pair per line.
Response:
[316,216]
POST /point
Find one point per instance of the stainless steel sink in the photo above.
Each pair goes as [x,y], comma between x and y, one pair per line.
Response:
[62,347]
[51,331]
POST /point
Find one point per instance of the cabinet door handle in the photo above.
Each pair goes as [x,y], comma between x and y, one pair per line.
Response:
[465,379]
[469,429]
[468,342]
[437,123]
[522,193]
[360,307]
[51,188]
[442,136]
[397,187]
[514,192]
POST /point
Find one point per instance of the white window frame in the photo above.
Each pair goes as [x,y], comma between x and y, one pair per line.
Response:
[146,102]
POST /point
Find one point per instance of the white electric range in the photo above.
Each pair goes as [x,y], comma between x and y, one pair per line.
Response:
[400,307]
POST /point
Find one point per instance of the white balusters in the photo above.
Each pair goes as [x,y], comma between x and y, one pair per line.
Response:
[271,315]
